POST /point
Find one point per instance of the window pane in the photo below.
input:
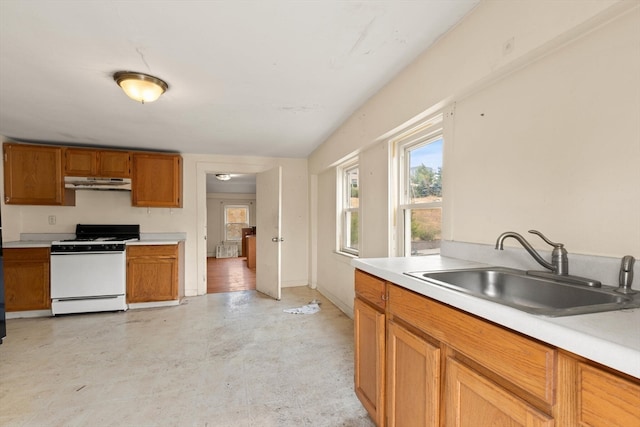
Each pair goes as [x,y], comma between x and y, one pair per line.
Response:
[236,218]
[425,231]
[238,214]
[352,188]
[351,231]
[425,173]
[234,231]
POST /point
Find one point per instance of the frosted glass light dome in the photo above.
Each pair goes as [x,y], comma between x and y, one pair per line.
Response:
[139,86]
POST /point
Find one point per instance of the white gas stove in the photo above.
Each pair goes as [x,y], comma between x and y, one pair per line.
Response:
[88,273]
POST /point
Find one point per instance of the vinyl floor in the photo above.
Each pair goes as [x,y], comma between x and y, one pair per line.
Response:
[226,359]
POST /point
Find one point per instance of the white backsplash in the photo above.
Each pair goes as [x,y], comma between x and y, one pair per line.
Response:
[604,269]
[46,237]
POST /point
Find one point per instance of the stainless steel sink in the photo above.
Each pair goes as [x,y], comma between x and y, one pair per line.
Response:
[535,295]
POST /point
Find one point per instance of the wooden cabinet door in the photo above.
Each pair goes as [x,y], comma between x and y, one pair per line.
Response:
[97,163]
[369,367]
[472,400]
[251,251]
[33,175]
[413,385]
[80,162]
[26,279]
[114,164]
[606,400]
[152,273]
[156,180]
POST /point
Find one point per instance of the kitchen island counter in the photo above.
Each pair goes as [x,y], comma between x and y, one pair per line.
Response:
[611,338]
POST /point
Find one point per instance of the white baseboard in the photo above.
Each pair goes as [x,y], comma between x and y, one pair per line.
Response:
[336,301]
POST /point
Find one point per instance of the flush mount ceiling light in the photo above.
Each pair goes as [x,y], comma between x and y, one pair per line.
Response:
[223,176]
[139,86]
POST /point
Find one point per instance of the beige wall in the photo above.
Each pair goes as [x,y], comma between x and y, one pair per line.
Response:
[543,136]
[556,147]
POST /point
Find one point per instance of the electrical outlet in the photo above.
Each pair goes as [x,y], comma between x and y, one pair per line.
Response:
[52,220]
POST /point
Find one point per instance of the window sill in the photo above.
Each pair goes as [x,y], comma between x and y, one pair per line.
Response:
[346,254]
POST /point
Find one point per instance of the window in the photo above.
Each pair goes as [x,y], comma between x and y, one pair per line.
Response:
[420,201]
[236,217]
[349,208]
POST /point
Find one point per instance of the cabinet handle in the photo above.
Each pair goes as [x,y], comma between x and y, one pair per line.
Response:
[384,297]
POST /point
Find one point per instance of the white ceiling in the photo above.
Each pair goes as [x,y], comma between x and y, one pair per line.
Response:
[239,184]
[265,78]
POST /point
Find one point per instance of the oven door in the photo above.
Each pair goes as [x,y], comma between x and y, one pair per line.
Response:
[88,274]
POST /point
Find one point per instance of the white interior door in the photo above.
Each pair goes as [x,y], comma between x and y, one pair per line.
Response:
[268,226]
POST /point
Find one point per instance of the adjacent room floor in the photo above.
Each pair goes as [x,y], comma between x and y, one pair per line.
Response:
[229,274]
[226,359]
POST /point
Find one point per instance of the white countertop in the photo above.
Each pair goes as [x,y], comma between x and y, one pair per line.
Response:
[145,239]
[27,244]
[610,338]
[154,242]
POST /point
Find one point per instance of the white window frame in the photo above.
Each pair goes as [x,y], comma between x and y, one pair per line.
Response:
[224,220]
[421,135]
[345,211]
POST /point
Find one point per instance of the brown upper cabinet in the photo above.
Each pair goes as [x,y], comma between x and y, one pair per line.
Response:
[33,175]
[97,163]
[156,180]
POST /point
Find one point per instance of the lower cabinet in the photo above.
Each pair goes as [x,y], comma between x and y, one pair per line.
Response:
[370,348]
[603,398]
[369,357]
[153,273]
[473,400]
[445,367]
[413,385]
[26,279]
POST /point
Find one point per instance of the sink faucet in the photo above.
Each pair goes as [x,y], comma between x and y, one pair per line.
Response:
[559,264]
[559,261]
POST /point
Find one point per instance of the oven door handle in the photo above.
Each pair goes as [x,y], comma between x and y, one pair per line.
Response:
[86,253]
[86,298]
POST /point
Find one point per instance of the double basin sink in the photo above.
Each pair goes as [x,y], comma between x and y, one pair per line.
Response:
[536,295]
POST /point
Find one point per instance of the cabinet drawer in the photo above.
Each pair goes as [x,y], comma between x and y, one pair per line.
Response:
[152,251]
[26,254]
[371,289]
[526,363]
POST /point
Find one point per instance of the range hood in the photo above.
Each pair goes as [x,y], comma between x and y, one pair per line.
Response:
[91,183]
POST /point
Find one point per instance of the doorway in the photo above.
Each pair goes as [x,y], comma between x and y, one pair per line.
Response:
[231,211]
[267,268]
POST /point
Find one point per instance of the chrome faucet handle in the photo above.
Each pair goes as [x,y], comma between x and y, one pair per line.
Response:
[559,256]
[543,237]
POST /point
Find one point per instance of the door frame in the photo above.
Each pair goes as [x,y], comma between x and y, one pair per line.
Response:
[202,169]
